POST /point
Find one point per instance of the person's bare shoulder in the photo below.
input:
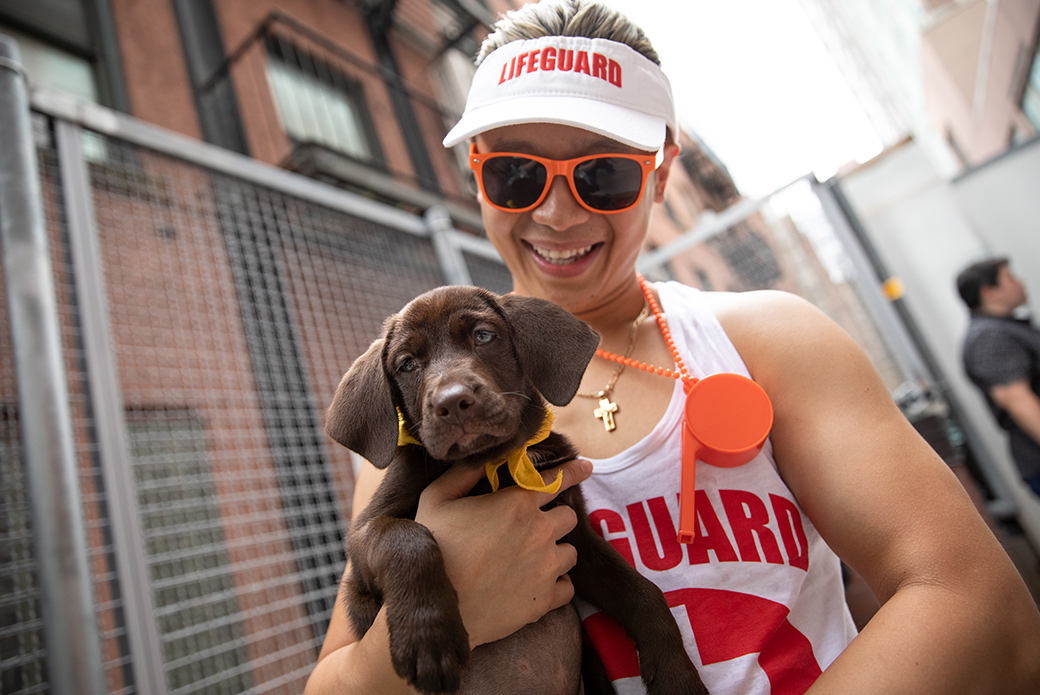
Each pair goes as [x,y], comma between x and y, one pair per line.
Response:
[769,327]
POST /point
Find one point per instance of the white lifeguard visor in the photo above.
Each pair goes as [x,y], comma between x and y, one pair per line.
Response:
[595,84]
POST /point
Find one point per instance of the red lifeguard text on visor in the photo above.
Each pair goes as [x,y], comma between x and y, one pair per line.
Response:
[550,58]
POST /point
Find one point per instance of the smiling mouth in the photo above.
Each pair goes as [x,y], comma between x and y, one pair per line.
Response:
[563,257]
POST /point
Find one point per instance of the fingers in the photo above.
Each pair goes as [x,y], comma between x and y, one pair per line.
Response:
[454,483]
[561,521]
[563,590]
[574,472]
[563,593]
[568,557]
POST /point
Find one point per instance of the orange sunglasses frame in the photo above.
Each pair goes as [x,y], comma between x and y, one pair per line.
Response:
[564,168]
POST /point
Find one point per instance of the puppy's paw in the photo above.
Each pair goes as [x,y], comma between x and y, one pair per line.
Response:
[431,654]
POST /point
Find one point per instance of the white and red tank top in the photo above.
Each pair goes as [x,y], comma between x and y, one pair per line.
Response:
[758,595]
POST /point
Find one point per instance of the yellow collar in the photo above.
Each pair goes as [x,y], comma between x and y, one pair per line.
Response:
[518,462]
[520,467]
[403,436]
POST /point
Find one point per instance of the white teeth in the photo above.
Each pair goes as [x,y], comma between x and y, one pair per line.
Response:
[561,257]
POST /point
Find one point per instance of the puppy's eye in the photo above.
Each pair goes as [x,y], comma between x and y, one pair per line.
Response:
[408,364]
[483,337]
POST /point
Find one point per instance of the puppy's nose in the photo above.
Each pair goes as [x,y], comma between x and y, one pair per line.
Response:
[453,403]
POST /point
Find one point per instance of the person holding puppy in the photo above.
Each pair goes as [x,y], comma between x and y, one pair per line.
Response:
[572,132]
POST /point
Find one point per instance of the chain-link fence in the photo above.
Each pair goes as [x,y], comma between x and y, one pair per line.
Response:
[23,658]
[227,298]
[232,309]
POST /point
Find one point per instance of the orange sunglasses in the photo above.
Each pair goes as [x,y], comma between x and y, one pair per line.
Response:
[601,183]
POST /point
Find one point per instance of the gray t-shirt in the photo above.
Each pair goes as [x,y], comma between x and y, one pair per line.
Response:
[999,351]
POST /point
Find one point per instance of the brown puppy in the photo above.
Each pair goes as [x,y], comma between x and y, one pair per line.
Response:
[468,370]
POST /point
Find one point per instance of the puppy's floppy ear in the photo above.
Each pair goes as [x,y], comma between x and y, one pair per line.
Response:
[362,416]
[554,347]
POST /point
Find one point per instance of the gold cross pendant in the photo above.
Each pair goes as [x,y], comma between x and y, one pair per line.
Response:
[605,412]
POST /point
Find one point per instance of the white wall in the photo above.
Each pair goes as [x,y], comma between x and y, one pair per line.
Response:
[1002,202]
[926,229]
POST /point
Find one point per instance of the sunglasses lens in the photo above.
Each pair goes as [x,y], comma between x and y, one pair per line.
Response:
[513,182]
[609,183]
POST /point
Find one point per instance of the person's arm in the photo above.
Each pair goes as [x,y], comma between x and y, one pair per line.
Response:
[501,553]
[955,616]
[356,666]
[1018,399]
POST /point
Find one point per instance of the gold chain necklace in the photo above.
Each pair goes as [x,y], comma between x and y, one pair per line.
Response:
[680,372]
[726,417]
[606,408]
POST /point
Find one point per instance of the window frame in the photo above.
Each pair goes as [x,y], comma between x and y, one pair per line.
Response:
[281,50]
[98,46]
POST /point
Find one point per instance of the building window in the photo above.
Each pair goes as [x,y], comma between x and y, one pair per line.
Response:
[318,104]
[68,45]
[51,67]
[1031,96]
[749,255]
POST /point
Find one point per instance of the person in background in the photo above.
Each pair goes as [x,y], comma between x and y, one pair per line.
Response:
[1001,356]
[572,130]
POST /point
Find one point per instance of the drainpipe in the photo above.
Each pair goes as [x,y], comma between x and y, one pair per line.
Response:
[379,17]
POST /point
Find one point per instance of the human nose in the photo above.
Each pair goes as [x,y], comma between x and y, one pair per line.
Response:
[560,210]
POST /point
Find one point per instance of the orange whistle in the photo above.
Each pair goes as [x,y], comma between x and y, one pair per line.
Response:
[726,422]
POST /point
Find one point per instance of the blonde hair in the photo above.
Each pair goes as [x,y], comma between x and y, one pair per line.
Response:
[586,18]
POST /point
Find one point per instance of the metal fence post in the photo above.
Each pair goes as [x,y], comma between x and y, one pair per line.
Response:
[438,221]
[70,628]
[106,396]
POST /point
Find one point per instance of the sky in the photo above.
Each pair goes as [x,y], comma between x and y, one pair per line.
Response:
[753,80]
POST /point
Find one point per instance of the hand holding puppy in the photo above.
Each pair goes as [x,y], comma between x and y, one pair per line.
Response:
[501,550]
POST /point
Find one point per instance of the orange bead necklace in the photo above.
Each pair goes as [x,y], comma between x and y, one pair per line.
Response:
[726,418]
[688,381]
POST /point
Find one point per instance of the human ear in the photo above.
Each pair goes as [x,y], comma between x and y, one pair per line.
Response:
[671,151]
